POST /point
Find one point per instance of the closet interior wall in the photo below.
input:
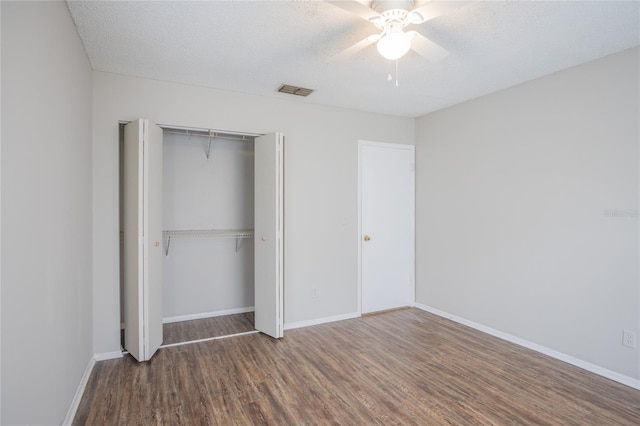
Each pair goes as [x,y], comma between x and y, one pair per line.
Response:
[207,185]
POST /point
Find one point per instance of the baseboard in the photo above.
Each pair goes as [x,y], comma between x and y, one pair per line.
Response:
[107,355]
[202,315]
[75,402]
[318,321]
[620,378]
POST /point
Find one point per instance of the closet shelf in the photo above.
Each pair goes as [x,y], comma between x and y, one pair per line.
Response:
[209,233]
[210,134]
[238,234]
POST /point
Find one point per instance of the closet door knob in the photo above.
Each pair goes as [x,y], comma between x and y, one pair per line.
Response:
[264,238]
[367,238]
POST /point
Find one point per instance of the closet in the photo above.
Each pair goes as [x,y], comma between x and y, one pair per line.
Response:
[203,226]
[208,224]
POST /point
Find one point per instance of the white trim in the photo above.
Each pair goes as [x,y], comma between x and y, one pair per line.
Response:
[107,355]
[620,378]
[359,244]
[202,315]
[280,235]
[208,339]
[318,321]
[412,148]
[75,402]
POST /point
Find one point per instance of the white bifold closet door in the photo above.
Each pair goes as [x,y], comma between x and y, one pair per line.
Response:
[142,228]
[268,231]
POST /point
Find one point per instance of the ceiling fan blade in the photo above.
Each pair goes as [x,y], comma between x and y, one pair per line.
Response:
[355,48]
[432,9]
[355,7]
[426,48]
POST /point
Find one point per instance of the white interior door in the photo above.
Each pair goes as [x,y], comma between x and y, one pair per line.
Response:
[142,247]
[268,231]
[387,249]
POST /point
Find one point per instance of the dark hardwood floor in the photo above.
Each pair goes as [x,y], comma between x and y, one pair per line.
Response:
[204,328]
[401,367]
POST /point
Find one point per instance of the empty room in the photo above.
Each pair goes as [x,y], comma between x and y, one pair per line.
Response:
[320,212]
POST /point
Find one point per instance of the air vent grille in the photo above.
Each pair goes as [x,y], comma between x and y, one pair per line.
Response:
[295,90]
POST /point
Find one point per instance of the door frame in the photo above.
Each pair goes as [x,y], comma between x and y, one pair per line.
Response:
[385,145]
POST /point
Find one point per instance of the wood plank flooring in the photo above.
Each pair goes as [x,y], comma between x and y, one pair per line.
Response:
[404,367]
[186,331]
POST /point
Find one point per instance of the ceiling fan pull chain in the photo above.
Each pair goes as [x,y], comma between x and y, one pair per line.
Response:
[390,77]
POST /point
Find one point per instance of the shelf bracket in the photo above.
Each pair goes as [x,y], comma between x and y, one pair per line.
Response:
[207,149]
[166,246]
[238,244]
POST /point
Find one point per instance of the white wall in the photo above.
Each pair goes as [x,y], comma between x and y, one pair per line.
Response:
[0,212]
[517,193]
[46,212]
[205,275]
[320,185]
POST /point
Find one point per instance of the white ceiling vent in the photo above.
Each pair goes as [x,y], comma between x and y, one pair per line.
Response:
[294,90]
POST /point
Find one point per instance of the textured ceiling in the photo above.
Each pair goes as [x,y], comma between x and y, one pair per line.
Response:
[255,46]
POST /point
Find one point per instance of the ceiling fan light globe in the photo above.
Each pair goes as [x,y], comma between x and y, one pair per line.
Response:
[394,45]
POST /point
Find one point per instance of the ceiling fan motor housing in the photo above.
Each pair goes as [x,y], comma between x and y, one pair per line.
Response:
[383,6]
[394,11]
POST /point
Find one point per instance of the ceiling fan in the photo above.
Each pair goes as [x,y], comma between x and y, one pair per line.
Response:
[391,17]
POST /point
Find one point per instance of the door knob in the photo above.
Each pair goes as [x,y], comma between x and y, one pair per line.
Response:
[367,238]
[264,238]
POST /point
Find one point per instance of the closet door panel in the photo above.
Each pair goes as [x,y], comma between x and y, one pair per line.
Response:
[142,228]
[132,227]
[268,224]
[153,240]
